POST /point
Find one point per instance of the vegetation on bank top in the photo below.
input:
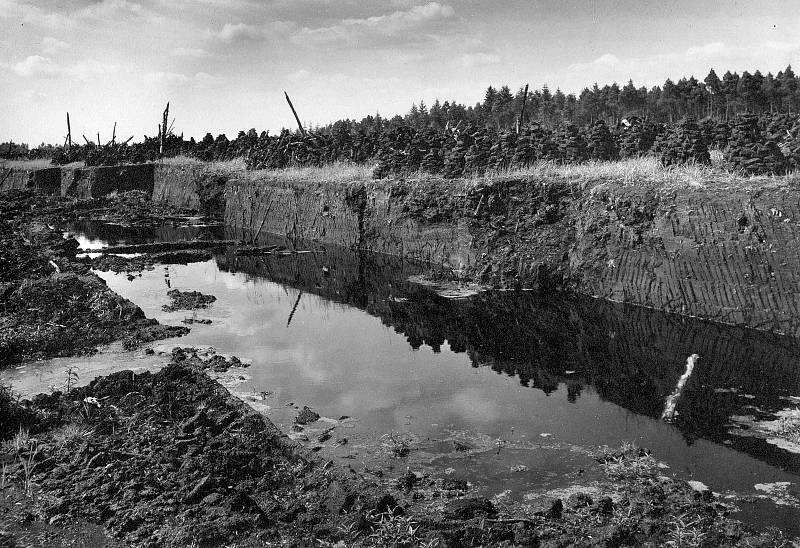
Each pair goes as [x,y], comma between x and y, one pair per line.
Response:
[748,117]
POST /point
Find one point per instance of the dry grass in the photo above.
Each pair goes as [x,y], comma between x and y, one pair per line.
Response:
[685,532]
[25,165]
[70,434]
[180,160]
[645,170]
[789,425]
[627,462]
[337,172]
[229,166]
[25,449]
[397,444]
[637,171]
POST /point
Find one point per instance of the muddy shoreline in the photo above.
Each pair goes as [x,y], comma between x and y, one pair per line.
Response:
[171,458]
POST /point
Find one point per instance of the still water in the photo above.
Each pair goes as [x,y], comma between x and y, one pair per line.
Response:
[348,335]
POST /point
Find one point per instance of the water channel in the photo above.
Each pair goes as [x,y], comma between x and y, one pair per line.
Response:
[349,335]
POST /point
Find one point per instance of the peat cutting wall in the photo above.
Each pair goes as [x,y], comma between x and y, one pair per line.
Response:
[44,181]
[726,252]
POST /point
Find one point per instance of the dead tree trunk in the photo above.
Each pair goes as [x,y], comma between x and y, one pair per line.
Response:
[521,119]
[162,130]
[69,134]
[296,117]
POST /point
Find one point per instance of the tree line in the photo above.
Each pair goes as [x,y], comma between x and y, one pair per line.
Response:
[713,97]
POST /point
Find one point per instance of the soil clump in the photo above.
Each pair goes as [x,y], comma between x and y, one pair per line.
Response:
[187,300]
[118,264]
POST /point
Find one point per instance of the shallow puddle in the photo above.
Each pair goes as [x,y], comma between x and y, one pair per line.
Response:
[528,377]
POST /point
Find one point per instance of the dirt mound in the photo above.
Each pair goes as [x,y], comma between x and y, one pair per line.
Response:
[187,300]
[171,459]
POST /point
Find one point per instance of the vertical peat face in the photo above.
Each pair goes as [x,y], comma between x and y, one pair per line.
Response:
[720,250]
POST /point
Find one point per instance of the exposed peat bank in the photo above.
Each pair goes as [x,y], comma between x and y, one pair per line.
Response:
[259,385]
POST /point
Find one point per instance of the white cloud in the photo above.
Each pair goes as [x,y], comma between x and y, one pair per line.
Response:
[189,52]
[90,69]
[398,23]
[52,45]
[714,48]
[231,32]
[34,96]
[108,10]
[218,4]
[697,60]
[607,60]
[410,25]
[298,75]
[34,15]
[166,78]
[37,66]
[238,32]
[200,80]
[205,80]
[479,59]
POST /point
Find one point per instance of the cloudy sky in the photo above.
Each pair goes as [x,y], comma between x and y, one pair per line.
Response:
[224,63]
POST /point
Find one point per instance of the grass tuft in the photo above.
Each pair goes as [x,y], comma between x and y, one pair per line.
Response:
[685,532]
[397,444]
[337,172]
[627,462]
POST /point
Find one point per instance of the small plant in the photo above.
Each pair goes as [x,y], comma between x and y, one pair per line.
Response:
[26,448]
[790,426]
[12,413]
[685,533]
[397,444]
[72,377]
[629,461]
[396,531]
[69,434]
[4,481]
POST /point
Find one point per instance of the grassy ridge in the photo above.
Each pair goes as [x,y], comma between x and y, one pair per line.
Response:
[625,172]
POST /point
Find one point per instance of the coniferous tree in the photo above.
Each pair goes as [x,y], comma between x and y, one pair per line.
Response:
[713,88]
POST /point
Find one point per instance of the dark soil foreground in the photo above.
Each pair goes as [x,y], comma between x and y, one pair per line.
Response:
[172,459]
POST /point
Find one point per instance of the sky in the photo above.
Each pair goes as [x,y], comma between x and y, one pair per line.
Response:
[223,64]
